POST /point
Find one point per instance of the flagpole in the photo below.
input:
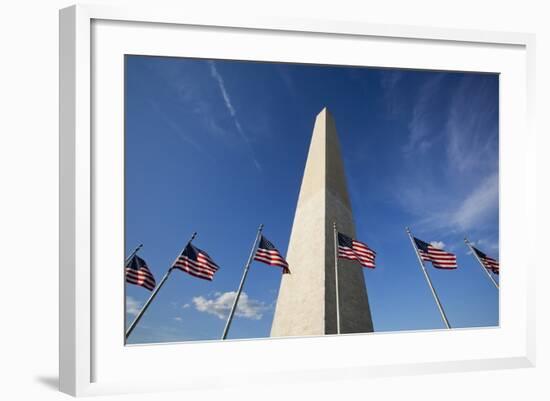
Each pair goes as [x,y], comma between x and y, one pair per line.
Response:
[132,254]
[155,291]
[440,307]
[480,262]
[336,278]
[245,273]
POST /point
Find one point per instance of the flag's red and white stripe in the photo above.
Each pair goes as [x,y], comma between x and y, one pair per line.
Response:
[268,254]
[488,262]
[491,264]
[141,278]
[138,273]
[349,248]
[197,263]
[439,258]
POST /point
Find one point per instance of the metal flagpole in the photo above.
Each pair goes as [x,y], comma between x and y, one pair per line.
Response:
[480,262]
[129,258]
[156,290]
[336,278]
[443,316]
[245,273]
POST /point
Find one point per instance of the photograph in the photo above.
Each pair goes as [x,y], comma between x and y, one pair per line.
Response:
[267,200]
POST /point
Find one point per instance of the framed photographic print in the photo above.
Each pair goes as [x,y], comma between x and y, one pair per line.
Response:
[245,190]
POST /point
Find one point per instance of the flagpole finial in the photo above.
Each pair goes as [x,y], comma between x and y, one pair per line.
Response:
[261,227]
[334,224]
[408,229]
[193,236]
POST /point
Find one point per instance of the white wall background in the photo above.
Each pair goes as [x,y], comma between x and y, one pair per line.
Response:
[29,186]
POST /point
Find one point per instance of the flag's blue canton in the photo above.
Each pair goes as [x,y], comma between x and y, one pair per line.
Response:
[344,240]
[421,245]
[191,252]
[266,244]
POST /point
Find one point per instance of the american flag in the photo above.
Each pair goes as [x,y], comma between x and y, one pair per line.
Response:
[268,254]
[489,263]
[351,249]
[196,262]
[138,273]
[439,258]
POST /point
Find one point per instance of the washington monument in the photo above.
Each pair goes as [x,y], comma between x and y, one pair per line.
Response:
[307,298]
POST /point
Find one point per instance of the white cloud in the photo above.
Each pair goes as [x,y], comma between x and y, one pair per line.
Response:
[177,319]
[438,244]
[485,245]
[479,203]
[288,81]
[229,105]
[392,95]
[133,306]
[216,75]
[488,244]
[185,306]
[175,126]
[390,78]
[420,126]
[468,213]
[472,133]
[456,189]
[220,306]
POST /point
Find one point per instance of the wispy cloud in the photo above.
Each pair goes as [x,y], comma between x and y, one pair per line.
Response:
[288,81]
[460,192]
[196,94]
[472,133]
[133,306]
[463,213]
[216,75]
[421,132]
[487,245]
[480,203]
[231,109]
[220,305]
[175,127]
[389,80]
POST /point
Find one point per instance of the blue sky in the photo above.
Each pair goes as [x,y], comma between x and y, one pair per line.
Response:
[219,147]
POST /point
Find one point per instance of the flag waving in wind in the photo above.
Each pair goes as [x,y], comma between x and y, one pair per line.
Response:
[351,249]
[489,263]
[138,273]
[196,262]
[268,254]
[439,258]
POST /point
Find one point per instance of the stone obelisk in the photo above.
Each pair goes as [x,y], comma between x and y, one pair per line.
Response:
[306,304]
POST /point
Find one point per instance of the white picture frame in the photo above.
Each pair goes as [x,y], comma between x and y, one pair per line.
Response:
[82,203]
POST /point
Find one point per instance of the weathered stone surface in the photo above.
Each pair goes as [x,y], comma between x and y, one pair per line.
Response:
[306,303]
